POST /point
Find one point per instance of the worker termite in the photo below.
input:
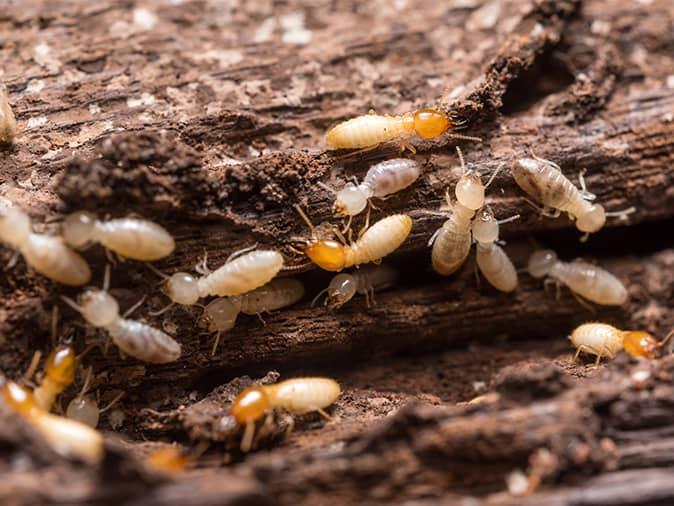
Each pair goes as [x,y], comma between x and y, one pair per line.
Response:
[451,242]
[84,407]
[376,242]
[370,130]
[544,181]
[220,314]
[584,279]
[296,396]
[381,180]
[364,281]
[605,341]
[7,119]
[47,254]
[239,274]
[128,237]
[134,338]
[66,437]
[493,262]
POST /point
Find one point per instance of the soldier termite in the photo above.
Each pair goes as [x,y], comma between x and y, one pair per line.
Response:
[378,241]
[134,338]
[605,341]
[220,314]
[451,242]
[296,396]
[66,437]
[47,254]
[493,262]
[370,130]
[242,272]
[128,237]
[59,374]
[543,181]
[381,180]
[7,120]
[364,281]
[584,279]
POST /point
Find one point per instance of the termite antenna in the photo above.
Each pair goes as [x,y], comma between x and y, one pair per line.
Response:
[463,163]
[71,303]
[465,137]
[162,310]
[313,302]
[303,215]
[666,338]
[493,175]
[623,213]
[157,271]
[32,367]
[106,278]
[327,188]
[238,253]
[112,402]
[87,383]
[508,220]
[134,307]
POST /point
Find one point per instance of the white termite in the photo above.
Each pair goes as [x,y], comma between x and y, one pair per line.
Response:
[84,407]
[220,314]
[48,255]
[7,119]
[364,281]
[544,181]
[134,338]
[451,243]
[587,280]
[494,263]
[133,238]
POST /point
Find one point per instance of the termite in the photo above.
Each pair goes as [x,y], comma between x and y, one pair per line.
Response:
[492,260]
[48,255]
[381,180]
[220,314]
[544,181]
[605,341]
[370,130]
[59,374]
[451,242]
[364,281]
[128,237]
[376,242]
[134,338]
[66,437]
[7,119]
[239,274]
[584,279]
[84,408]
[296,396]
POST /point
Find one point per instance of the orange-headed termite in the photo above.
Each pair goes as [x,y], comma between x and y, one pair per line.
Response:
[605,341]
[544,181]
[494,263]
[66,437]
[47,254]
[376,242]
[587,280]
[59,374]
[128,237]
[7,120]
[296,396]
[364,281]
[134,338]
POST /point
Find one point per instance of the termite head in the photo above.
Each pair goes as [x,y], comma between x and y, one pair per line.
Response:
[14,226]
[78,228]
[182,288]
[350,200]
[640,344]
[19,398]
[341,290]
[250,405]
[541,262]
[327,254]
[485,226]
[593,220]
[220,314]
[99,308]
[429,123]
[84,409]
[469,190]
[61,365]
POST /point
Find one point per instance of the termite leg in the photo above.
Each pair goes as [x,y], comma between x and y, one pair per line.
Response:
[291,425]
[162,310]
[259,315]
[372,299]
[549,162]
[322,412]
[313,302]
[623,213]
[351,154]
[327,187]
[340,236]
[584,237]
[406,145]
[583,187]
[247,439]
[583,302]
[202,266]
[13,259]
[129,311]
[32,367]
[304,217]
[366,225]
[477,277]
[216,342]
[434,237]
[347,227]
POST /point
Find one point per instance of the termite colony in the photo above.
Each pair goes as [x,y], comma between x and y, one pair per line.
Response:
[249,283]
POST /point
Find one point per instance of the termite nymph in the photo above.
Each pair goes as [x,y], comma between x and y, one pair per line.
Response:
[47,254]
[605,341]
[84,407]
[221,313]
[544,181]
[128,237]
[66,437]
[134,338]
[494,263]
[296,396]
[343,287]
[371,130]
[7,119]
[587,280]
[376,242]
